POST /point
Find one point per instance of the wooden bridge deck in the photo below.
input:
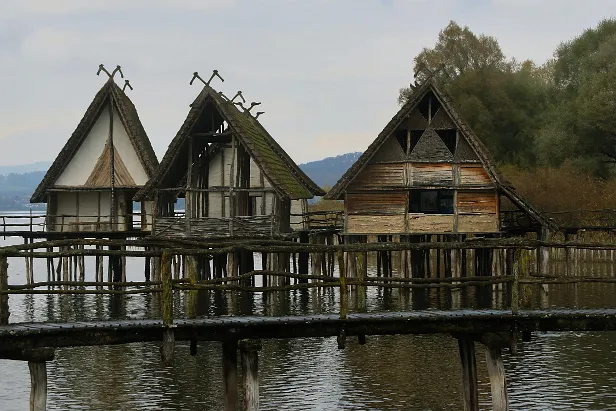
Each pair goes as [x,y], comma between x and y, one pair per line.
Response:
[35,335]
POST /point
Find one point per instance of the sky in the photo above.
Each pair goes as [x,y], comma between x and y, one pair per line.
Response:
[327,72]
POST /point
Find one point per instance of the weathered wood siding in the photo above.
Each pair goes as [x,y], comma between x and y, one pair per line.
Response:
[474,174]
[298,210]
[376,203]
[477,223]
[211,227]
[430,223]
[426,174]
[375,224]
[477,211]
[377,176]
[477,202]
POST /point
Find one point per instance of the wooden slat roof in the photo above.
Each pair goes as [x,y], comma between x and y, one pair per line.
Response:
[283,173]
[131,122]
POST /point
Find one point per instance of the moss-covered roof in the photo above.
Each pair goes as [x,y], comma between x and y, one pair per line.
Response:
[283,173]
[131,122]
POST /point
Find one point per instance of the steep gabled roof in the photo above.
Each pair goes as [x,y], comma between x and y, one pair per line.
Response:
[481,151]
[130,121]
[285,176]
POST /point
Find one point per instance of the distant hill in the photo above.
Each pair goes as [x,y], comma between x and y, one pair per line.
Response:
[328,171]
[16,189]
[25,168]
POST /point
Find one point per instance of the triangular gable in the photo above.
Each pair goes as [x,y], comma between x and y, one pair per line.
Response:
[390,151]
[464,153]
[464,133]
[430,148]
[101,175]
[275,164]
[130,123]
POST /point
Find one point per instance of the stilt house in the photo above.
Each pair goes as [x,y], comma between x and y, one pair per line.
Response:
[108,158]
[427,173]
[235,178]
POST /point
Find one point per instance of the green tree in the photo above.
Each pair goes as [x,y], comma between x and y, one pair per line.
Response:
[584,115]
[503,101]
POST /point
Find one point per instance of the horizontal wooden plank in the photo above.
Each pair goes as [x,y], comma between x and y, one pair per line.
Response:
[376,175]
[371,224]
[386,202]
[425,174]
[430,223]
[482,202]
[477,223]
[471,174]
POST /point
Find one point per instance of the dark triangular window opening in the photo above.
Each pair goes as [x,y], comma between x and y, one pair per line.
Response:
[434,107]
[449,137]
[424,107]
[402,137]
[415,136]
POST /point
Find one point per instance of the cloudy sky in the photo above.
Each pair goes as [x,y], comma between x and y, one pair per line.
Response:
[326,71]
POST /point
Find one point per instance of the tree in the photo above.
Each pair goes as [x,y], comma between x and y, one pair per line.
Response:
[501,100]
[584,77]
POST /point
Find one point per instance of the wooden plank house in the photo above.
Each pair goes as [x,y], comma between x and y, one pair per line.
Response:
[108,158]
[236,179]
[427,173]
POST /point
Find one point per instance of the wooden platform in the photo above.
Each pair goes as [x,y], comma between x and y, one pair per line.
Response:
[34,335]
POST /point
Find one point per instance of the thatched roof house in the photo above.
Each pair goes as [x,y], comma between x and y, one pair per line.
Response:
[107,159]
[236,178]
[426,173]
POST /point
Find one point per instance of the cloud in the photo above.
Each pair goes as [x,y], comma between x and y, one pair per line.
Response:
[14,8]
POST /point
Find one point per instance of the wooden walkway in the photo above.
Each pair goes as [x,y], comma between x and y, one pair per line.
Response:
[224,328]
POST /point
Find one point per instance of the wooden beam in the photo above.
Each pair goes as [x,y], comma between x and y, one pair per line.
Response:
[466,347]
[4,286]
[38,385]
[498,380]
[229,374]
[250,370]
[32,355]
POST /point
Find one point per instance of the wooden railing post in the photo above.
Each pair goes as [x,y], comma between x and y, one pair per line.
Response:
[515,287]
[229,374]
[4,286]
[38,385]
[343,285]
[498,380]
[466,347]
[168,344]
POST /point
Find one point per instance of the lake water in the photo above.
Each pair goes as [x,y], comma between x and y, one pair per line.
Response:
[554,371]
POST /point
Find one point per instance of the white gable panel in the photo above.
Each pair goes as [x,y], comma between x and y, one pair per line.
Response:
[214,173]
[81,165]
[127,151]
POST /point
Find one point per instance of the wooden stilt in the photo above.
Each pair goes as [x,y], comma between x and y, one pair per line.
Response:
[4,285]
[466,346]
[229,374]
[167,347]
[38,385]
[250,369]
[498,380]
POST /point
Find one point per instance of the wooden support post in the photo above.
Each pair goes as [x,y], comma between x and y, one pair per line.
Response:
[229,374]
[249,350]
[343,285]
[466,346]
[498,380]
[304,238]
[38,385]
[147,268]
[4,286]
[190,262]
[168,344]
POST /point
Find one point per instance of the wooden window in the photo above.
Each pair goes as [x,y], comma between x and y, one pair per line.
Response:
[431,201]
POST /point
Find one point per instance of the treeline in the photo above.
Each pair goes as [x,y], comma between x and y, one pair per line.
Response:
[558,117]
